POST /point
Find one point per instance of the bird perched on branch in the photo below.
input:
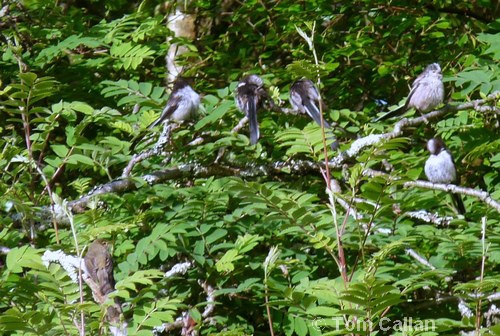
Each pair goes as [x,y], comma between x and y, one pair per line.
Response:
[183,104]
[251,95]
[99,265]
[427,92]
[304,97]
[440,168]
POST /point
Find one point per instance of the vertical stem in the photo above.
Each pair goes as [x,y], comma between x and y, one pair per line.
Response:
[341,255]
[483,262]
[269,319]
[268,264]
[68,214]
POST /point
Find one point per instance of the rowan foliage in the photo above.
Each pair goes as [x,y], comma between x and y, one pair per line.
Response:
[270,238]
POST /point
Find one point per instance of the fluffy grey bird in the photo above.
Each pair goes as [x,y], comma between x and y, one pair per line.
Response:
[250,97]
[427,92]
[183,104]
[440,168]
[304,97]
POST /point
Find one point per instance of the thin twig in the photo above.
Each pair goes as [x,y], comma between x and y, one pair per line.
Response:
[240,125]
[412,253]
[163,139]
[184,321]
[481,279]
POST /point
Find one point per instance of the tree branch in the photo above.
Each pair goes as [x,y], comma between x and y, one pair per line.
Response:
[185,322]
[240,125]
[479,194]
[165,137]
[412,253]
[195,170]
[429,217]
[404,123]
[295,167]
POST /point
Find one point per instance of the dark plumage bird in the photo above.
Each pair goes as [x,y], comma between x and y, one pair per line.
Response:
[250,97]
[183,104]
[427,92]
[304,97]
[440,168]
[99,264]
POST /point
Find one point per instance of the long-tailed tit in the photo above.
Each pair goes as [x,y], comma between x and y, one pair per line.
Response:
[440,168]
[250,97]
[427,92]
[183,104]
[304,97]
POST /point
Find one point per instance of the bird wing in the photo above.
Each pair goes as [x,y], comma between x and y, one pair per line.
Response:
[419,84]
[105,276]
[172,105]
[414,89]
[296,100]
[91,267]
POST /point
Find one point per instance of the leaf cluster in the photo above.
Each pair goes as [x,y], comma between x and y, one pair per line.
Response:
[256,224]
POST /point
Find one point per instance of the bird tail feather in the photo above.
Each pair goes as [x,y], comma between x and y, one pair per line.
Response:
[314,113]
[458,203]
[154,123]
[391,114]
[254,123]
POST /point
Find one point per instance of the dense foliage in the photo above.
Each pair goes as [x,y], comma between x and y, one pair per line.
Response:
[275,240]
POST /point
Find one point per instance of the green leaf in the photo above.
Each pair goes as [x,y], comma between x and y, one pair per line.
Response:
[145,88]
[300,326]
[60,150]
[215,115]
[20,257]
[226,263]
[322,311]
[78,158]
[216,235]
[82,107]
